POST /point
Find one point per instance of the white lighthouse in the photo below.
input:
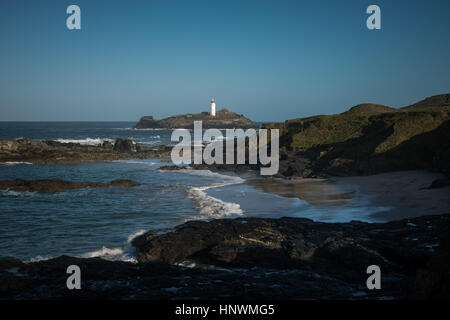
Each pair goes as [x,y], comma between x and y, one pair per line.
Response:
[213,108]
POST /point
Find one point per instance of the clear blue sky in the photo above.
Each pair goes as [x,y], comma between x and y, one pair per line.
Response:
[270,60]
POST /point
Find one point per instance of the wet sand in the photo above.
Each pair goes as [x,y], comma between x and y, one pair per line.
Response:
[406,193]
[318,192]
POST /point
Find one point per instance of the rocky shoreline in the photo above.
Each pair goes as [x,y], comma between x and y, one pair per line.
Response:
[52,152]
[57,185]
[287,258]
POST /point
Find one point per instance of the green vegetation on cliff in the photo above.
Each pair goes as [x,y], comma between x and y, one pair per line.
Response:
[371,138]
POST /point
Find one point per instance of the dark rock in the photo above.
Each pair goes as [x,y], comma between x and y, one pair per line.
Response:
[439,183]
[340,249]
[172,168]
[56,185]
[124,145]
[288,258]
[433,281]
[107,145]
[103,279]
[124,183]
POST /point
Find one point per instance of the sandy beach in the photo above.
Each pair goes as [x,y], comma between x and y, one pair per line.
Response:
[406,193]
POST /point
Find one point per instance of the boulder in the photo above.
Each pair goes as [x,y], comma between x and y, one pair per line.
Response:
[107,145]
[439,183]
[433,281]
[124,145]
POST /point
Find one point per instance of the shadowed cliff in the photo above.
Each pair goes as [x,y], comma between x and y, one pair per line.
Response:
[368,139]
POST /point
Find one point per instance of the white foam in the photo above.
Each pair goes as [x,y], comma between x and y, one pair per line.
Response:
[150,143]
[211,207]
[208,173]
[87,141]
[39,258]
[103,252]
[14,163]
[125,253]
[13,193]
[149,129]
[143,162]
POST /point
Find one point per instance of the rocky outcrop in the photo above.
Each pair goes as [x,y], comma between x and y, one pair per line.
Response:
[439,183]
[367,139]
[102,279]
[222,120]
[52,152]
[171,168]
[433,281]
[56,185]
[124,145]
[296,243]
[287,258]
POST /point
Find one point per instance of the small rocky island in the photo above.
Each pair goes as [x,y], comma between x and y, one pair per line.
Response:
[223,119]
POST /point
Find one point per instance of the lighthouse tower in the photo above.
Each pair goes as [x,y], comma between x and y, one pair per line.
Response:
[213,108]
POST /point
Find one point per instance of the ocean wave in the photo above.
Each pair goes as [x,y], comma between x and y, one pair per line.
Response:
[135,129]
[149,129]
[38,258]
[148,137]
[209,173]
[13,193]
[14,163]
[150,143]
[86,141]
[126,253]
[211,207]
[144,162]
[103,252]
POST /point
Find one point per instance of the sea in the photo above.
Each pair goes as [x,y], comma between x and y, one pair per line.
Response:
[101,222]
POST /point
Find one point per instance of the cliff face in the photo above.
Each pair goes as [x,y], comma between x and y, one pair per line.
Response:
[224,119]
[369,139]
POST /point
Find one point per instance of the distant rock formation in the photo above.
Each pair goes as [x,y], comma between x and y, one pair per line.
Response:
[53,152]
[224,119]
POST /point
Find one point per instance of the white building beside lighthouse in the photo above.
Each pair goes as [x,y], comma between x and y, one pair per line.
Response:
[213,108]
